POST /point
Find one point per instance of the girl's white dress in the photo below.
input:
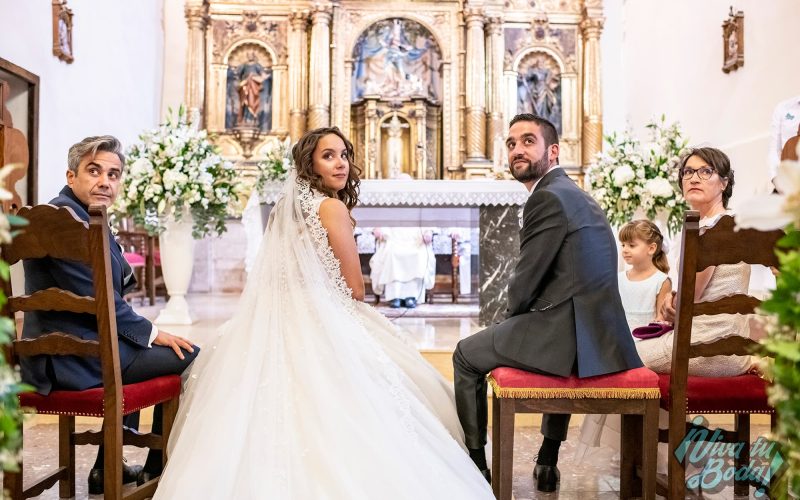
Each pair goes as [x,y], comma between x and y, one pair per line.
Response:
[309,394]
[639,298]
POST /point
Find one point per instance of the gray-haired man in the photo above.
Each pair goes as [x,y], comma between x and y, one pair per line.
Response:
[95,167]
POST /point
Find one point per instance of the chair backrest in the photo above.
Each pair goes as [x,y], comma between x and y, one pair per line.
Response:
[56,232]
[721,244]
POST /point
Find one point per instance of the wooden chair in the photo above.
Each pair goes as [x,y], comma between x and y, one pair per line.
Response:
[141,251]
[633,394]
[58,233]
[446,274]
[741,395]
[137,248]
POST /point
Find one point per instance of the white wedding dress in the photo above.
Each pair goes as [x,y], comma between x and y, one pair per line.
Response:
[309,394]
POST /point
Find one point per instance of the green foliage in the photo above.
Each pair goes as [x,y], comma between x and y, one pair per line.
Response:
[11,416]
[783,346]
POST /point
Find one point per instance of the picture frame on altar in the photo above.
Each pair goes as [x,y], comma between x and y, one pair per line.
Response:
[733,41]
[62,31]
[19,133]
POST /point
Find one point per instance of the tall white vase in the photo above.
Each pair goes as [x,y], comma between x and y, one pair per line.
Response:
[177,259]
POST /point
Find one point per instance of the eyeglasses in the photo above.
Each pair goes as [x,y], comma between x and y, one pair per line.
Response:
[703,173]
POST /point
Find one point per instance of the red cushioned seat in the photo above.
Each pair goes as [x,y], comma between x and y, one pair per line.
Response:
[742,394]
[89,403]
[157,258]
[134,259]
[629,384]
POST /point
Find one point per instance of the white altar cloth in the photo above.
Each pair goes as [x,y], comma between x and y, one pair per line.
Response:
[443,193]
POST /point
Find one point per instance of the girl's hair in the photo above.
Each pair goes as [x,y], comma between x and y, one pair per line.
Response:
[303,156]
[649,233]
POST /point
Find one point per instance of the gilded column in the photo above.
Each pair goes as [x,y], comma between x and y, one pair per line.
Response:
[319,108]
[495,51]
[420,146]
[196,18]
[592,137]
[371,143]
[280,112]
[298,75]
[475,85]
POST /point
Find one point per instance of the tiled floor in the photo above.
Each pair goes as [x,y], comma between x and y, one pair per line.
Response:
[587,480]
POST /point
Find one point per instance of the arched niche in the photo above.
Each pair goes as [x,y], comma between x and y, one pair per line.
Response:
[396,57]
[224,98]
[539,87]
[558,82]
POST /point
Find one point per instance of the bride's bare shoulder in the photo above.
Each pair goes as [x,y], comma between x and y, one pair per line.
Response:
[333,212]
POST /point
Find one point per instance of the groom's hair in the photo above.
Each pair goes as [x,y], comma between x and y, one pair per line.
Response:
[549,132]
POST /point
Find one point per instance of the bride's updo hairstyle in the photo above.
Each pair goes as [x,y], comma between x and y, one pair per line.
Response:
[303,156]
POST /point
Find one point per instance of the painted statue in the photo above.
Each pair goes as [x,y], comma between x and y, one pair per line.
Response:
[539,89]
[249,95]
[396,58]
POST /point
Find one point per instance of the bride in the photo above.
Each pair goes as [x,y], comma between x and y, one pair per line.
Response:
[308,393]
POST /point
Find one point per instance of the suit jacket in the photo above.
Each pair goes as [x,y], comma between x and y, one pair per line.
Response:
[72,372]
[564,307]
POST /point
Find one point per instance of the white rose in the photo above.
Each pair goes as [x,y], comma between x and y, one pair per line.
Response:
[141,167]
[622,175]
[659,187]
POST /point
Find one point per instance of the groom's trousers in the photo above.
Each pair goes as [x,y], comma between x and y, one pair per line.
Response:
[473,359]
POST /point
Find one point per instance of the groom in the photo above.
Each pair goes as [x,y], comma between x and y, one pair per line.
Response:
[564,311]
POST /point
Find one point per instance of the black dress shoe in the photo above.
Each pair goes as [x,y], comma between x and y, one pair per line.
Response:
[546,477]
[394,303]
[487,474]
[410,302]
[130,473]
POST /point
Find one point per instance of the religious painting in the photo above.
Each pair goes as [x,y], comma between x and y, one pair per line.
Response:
[733,41]
[396,58]
[62,31]
[19,118]
[539,87]
[248,101]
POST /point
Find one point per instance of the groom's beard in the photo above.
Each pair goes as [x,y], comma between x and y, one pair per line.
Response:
[531,172]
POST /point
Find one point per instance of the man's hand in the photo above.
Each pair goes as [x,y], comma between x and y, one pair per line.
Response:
[668,308]
[176,343]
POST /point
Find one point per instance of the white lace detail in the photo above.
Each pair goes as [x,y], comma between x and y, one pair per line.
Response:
[415,193]
[320,235]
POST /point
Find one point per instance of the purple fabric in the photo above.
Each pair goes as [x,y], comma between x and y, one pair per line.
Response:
[651,331]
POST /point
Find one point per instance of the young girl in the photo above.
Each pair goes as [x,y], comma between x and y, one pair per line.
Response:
[642,288]
[645,284]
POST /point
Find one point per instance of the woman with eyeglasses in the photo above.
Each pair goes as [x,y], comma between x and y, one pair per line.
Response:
[707,184]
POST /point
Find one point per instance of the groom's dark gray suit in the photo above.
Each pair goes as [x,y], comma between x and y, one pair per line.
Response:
[564,312]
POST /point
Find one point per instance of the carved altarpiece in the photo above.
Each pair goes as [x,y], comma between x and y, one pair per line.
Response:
[485,53]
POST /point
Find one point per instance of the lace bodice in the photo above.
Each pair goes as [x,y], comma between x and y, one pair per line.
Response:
[310,201]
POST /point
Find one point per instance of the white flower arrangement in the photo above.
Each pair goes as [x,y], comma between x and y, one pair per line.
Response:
[276,164]
[630,177]
[176,166]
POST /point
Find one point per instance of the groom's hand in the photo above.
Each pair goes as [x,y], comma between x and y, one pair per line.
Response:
[176,343]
